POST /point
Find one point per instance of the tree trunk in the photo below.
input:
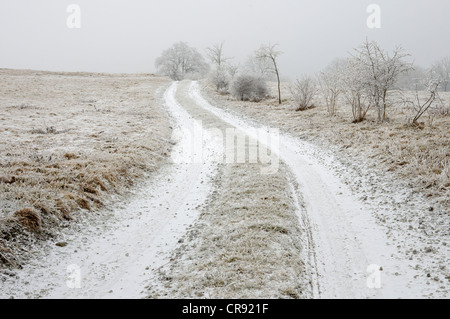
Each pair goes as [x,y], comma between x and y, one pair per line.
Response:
[279,83]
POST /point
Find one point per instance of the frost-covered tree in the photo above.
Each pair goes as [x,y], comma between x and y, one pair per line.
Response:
[181,61]
[216,55]
[220,78]
[355,90]
[268,57]
[233,69]
[441,71]
[303,91]
[331,86]
[421,106]
[220,75]
[379,72]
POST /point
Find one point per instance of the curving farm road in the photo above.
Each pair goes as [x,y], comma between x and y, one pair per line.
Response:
[346,251]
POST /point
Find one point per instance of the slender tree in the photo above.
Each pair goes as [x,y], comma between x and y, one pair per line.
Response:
[268,53]
[216,55]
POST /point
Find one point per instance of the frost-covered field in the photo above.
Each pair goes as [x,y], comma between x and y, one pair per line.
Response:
[346,197]
[401,171]
[419,155]
[72,141]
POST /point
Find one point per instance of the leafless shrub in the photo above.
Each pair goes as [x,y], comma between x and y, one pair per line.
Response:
[419,106]
[220,79]
[330,82]
[303,92]
[233,69]
[249,88]
[355,90]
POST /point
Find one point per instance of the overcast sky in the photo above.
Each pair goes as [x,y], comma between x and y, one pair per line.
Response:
[127,35]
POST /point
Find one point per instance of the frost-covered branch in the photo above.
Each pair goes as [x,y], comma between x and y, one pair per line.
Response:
[303,91]
[268,54]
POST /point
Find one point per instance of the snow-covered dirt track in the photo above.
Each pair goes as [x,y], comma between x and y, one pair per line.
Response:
[348,248]
[116,258]
[341,251]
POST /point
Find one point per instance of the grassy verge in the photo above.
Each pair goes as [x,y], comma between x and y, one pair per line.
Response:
[70,142]
[419,155]
[248,243]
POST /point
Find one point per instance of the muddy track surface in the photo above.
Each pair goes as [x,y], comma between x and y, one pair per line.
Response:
[208,226]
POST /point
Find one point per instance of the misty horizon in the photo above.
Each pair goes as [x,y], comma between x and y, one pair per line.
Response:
[126,37]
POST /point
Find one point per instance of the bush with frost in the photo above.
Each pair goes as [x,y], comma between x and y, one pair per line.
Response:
[303,91]
[249,88]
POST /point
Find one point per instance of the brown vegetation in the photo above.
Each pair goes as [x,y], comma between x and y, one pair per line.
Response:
[70,141]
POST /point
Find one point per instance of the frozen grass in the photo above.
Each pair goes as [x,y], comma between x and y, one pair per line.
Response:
[70,141]
[418,154]
[247,244]
[400,170]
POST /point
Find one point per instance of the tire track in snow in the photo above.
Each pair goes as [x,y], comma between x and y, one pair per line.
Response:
[346,239]
[142,232]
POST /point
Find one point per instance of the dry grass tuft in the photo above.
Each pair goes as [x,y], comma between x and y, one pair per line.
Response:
[29,219]
[70,156]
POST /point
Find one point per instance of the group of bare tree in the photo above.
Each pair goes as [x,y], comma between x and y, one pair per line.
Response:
[365,80]
[247,83]
[370,76]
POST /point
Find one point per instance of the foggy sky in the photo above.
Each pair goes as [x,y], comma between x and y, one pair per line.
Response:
[128,35]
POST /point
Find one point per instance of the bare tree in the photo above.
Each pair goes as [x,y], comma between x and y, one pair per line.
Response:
[330,82]
[421,106]
[303,91]
[268,53]
[380,73]
[216,55]
[233,69]
[441,70]
[180,61]
[220,78]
